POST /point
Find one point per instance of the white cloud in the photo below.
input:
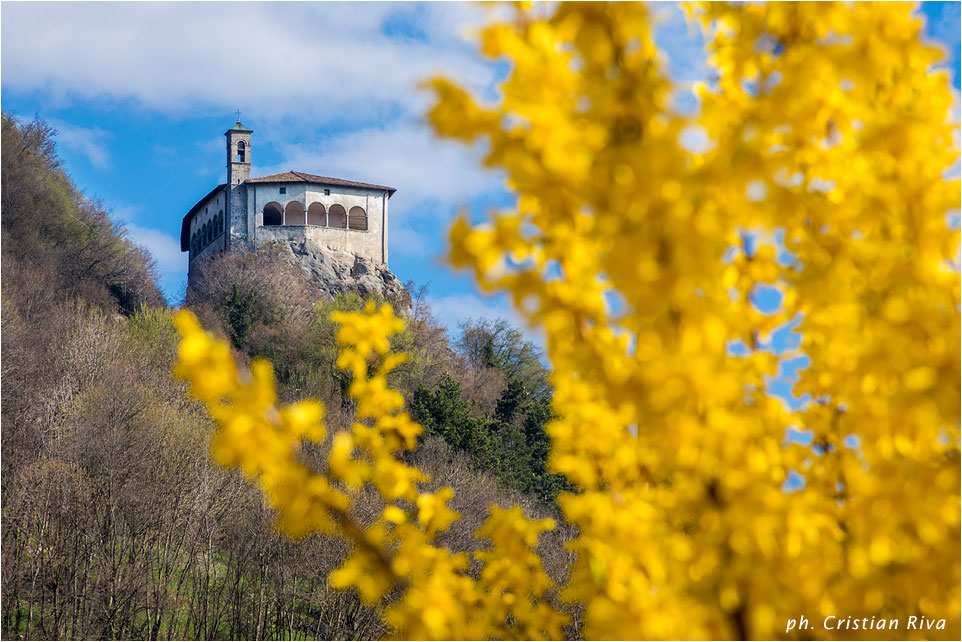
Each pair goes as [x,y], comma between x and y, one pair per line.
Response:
[424,169]
[91,142]
[125,213]
[409,242]
[335,61]
[453,309]
[171,262]
[680,41]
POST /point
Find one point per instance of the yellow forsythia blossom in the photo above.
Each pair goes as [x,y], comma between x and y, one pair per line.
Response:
[640,258]
[826,123]
[440,601]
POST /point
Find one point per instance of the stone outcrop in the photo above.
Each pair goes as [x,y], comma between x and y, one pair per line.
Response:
[333,270]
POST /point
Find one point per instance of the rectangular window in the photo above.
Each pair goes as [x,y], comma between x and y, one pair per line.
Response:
[327,192]
[283,190]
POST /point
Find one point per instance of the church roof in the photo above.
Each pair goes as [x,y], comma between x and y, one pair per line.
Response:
[238,127]
[304,177]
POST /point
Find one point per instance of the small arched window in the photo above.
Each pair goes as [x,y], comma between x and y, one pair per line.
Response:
[336,216]
[357,218]
[241,152]
[316,215]
[273,214]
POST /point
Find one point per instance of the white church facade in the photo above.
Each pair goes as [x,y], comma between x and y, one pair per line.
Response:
[247,213]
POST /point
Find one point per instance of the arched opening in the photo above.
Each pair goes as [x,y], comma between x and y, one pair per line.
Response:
[336,216]
[316,214]
[220,223]
[206,233]
[241,152]
[294,214]
[193,245]
[273,214]
[357,218]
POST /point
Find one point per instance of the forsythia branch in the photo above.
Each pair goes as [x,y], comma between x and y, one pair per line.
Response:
[397,551]
[827,134]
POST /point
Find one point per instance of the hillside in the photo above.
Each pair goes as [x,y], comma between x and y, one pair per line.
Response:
[57,243]
[115,522]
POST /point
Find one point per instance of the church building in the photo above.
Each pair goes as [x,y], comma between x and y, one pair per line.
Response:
[247,213]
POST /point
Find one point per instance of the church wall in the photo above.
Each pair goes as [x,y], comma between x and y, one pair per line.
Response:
[369,243]
[214,206]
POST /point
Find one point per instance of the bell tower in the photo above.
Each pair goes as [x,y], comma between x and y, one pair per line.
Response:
[238,171]
[238,153]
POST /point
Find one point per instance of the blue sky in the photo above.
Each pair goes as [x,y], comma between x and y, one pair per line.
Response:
[141,94]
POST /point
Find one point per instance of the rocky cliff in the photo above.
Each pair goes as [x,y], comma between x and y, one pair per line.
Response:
[333,270]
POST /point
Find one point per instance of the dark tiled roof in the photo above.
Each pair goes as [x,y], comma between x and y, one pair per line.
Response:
[185,224]
[303,177]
